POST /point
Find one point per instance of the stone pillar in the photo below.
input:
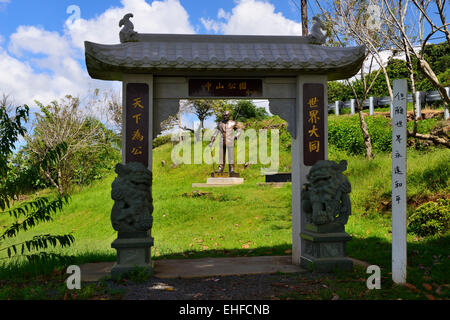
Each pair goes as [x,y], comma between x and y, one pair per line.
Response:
[371,106]
[138,78]
[352,106]
[337,104]
[418,104]
[131,215]
[299,170]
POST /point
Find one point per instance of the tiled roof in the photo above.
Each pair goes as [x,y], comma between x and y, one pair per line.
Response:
[162,54]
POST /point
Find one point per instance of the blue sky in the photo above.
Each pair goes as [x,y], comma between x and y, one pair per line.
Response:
[41,45]
[51,14]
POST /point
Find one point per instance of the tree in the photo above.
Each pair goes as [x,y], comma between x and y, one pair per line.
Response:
[347,24]
[30,214]
[202,108]
[89,143]
[404,37]
[304,6]
[245,109]
[359,22]
[396,12]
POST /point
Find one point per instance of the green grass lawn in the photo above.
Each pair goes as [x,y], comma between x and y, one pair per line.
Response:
[249,219]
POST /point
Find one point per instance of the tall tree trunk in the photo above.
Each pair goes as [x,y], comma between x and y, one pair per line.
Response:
[304,8]
[441,9]
[413,85]
[425,68]
[366,135]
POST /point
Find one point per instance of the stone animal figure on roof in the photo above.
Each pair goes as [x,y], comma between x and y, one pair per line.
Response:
[318,32]
[127,34]
[132,195]
[326,195]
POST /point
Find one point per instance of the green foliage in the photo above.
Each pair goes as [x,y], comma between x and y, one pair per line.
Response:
[339,91]
[10,130]
[432,218]
[345,133]
[138,275]
[437,177]
[26,215]
[92,149]
[244,110]
[159,141]
[29,214]
[380,133]
[202,108]
[437,55]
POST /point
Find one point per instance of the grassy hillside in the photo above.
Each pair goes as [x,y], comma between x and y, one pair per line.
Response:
[251,219]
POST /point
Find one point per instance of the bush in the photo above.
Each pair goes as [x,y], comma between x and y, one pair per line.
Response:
[345,134]
[159,141]
[432,218]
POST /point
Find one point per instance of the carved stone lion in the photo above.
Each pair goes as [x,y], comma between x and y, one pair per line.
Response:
[326,195]
[132,195]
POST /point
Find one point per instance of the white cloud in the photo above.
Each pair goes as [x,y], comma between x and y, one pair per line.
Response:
[255,17]
[43,65]
[211,25]
[166,16]
[38,41]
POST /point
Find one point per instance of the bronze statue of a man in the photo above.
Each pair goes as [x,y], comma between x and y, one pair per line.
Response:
[226,129]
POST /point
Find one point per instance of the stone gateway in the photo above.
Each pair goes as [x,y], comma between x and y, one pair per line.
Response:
[281,69]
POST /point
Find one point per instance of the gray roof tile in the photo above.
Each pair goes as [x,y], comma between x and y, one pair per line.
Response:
[161,54]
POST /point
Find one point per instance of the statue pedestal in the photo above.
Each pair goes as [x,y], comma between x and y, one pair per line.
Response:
[325,248]
[225,175]
[131,253]
[224,181]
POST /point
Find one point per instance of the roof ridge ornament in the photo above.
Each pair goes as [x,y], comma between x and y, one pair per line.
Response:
[127,34]
[318,32]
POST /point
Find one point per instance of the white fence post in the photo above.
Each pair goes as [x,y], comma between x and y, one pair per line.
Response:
[352,106]
[371,105]
[418,104]
[336,107]
[399,244]
[446,111]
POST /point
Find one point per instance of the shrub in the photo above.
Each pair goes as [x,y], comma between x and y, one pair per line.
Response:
[159,141]
[432,218]
[345,134]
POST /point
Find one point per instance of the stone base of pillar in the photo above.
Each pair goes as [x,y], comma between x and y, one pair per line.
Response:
[325,248]
[132,253]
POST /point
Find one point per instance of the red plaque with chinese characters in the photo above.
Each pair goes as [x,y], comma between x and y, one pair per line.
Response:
[137,123]
[225,87]
[313,123]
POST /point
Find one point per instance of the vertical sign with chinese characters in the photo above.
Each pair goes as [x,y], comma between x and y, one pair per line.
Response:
[399,138]
[313,123]
[137,123]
